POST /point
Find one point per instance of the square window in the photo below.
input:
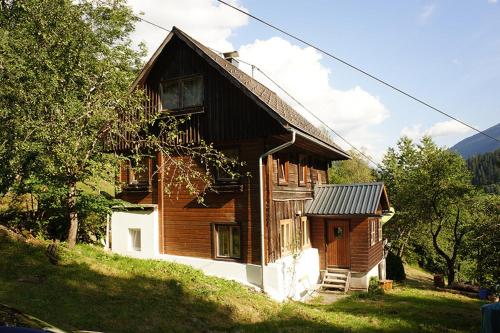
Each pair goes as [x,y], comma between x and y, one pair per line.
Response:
[170,94]
[192,92]
[228,241]
[134,243]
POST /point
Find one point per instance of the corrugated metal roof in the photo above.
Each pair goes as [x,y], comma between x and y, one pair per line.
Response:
[350,199]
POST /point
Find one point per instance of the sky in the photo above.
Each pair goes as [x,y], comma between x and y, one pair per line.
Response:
[444,52]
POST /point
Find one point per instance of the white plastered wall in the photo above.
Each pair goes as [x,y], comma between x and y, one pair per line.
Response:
[146,220]
[361,280]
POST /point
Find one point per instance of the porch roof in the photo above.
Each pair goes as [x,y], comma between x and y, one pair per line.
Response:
[348,199]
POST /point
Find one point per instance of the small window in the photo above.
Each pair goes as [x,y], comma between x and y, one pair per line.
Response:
[286,236]
[306,240]
[134,236]
[228,241]
[181,93]
[222,175]
[302,170]
[379,230]
[282,171]
[338,232]
[319,177]
[138,174]
[373,228]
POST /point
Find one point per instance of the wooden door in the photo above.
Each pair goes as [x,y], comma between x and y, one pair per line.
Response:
[337,248]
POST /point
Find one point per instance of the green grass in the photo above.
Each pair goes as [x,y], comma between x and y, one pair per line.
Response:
[94,290]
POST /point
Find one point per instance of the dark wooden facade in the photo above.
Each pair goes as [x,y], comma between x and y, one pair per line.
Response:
[231,118]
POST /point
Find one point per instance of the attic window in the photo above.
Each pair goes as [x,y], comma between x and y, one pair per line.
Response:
[181,93]
[282,171]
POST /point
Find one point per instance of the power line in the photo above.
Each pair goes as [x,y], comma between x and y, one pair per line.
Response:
[285,91]
[359,70]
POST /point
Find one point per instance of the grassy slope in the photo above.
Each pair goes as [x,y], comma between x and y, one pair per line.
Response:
[94,290]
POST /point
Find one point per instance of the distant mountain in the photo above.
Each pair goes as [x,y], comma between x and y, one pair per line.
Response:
[485,169]
[478,143]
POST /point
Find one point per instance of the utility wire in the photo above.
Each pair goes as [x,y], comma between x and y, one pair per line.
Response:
[285,91]
[359,70]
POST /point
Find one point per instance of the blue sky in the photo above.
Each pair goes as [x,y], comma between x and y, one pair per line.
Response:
[445,52]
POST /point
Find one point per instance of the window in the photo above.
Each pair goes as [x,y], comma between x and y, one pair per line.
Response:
[373,228]
[379,230]
[134,239]
[181,93]
[338,232]
[306,241]
[320,178]
[138,174]
[222,175]
[228,241]
[302,170]
[286,235]
[282,171]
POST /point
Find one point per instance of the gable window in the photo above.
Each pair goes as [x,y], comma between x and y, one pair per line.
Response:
[286,236]
[138,174]
[302,170]
[373,230]
[134,239]
[282,171]
[181,93]
[306,240]
[222,175]
[228,241]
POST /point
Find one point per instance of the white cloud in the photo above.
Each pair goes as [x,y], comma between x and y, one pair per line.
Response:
[352,112]
[426,13]
[492,1]
[206,20]
[439,129]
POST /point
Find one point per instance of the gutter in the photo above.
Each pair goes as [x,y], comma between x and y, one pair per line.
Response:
[261,193]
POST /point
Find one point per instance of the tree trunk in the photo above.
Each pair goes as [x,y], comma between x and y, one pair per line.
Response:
[451,273]
[73,215]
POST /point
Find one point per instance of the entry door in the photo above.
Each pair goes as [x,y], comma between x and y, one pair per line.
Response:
[337,237]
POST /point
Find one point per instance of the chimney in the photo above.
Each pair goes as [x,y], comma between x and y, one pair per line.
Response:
[232,57]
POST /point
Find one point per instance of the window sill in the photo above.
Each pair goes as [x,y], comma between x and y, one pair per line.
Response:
[137,188]
[185,111]
[227,187]
[228,259]
[282,183]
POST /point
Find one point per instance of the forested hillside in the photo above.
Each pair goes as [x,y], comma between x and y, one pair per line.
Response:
[478,143]
[486,171]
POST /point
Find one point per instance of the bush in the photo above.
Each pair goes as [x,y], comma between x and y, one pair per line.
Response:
[394,267]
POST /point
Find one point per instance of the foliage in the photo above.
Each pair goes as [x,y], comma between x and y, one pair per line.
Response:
[182,299]
[65,101]
[486,171]
[355,170]
[394,267]
[430,188]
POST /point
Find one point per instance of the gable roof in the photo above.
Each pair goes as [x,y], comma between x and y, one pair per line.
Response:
[265,97]
[350,199]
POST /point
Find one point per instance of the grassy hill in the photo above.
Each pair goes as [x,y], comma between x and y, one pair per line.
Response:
[91,289]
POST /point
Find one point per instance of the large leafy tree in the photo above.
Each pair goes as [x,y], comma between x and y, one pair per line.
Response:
[65,72]
[431,189]
[355,170]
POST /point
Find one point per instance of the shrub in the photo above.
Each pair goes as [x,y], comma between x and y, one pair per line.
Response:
[394,267]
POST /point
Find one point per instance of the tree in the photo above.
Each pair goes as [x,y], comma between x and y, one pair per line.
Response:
[431,187]
[65,72]
[355,170]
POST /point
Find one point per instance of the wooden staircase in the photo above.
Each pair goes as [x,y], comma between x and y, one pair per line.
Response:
[336,279]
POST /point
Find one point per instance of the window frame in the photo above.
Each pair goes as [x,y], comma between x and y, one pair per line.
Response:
[373,226]
[306,232]
[226,180]
[130,184]
[131,239]
[181,109]
[302,166]
[279,163]
[286,241]
[215,230]
[379,230]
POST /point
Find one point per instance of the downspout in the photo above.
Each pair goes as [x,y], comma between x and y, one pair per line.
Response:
[261,191]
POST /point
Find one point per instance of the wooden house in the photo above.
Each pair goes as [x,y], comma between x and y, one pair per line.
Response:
[277,228]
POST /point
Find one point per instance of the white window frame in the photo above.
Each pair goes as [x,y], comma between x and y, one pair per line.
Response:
[134,234]
[379,230]
[373,227]
[286,236]
[306,236]
[230,227]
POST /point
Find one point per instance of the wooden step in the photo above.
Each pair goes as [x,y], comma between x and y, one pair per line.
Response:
[337,270]
[336,275]
[333,286]
[335,281]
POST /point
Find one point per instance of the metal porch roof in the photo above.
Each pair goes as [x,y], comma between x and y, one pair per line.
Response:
[349,199]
